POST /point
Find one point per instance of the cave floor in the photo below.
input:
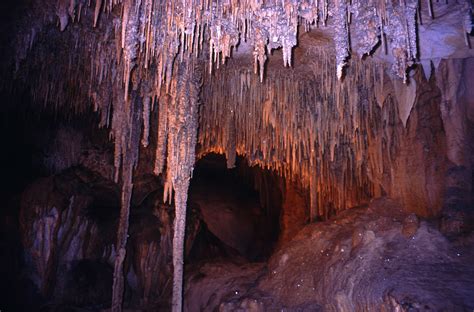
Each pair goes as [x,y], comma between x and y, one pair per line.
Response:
[376,258]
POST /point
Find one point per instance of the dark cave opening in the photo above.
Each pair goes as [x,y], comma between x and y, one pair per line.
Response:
[239,219]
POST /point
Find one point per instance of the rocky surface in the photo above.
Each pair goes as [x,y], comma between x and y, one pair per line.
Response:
[370,258]
[373,258]
[68,229]
[59,228]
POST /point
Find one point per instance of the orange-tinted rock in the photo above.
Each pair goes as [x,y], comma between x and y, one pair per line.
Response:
[294,213]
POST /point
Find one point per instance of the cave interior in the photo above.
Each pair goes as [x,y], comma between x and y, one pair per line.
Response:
[158,155]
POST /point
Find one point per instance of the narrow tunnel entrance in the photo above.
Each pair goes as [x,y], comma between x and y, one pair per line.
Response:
[238,208]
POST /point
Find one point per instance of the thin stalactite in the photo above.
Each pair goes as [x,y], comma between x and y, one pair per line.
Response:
[127,131]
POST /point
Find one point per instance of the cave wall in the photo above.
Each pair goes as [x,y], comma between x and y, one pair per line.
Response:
[68,225]
[59,228]
[454,78]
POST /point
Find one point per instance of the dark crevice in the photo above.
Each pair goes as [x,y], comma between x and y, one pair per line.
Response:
[234,221]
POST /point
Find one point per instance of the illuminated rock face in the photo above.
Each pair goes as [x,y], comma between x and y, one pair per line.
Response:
[61,227]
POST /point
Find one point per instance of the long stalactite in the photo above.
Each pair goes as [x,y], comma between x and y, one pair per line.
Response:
[126,129]
[182,120]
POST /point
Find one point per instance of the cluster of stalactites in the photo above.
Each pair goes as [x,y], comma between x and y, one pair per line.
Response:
[391,23]
[177,130]
[140,39]
[163,29]
[151,33]
[308,127]
[177,135]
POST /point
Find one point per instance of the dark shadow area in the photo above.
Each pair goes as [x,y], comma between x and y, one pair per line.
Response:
[239,218]
[30,175]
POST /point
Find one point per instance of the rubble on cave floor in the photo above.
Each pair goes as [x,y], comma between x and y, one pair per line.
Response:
[376,258]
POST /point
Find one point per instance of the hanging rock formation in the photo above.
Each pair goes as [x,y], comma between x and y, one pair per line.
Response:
[343,142]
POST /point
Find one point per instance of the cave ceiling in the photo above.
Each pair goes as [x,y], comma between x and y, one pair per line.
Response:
[403,33]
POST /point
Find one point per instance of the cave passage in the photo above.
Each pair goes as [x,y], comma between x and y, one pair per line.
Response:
[239,220]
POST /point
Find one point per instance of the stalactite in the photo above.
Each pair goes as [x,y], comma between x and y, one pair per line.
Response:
[162,135]
[369,27]
[98,6]
[122,236]
[63,14]
[230,146]
[430,8]
[152,33]
[341,38]
[182,136]
[146,121]
[401,29]
[468,21]
[308,127]
[126,129]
